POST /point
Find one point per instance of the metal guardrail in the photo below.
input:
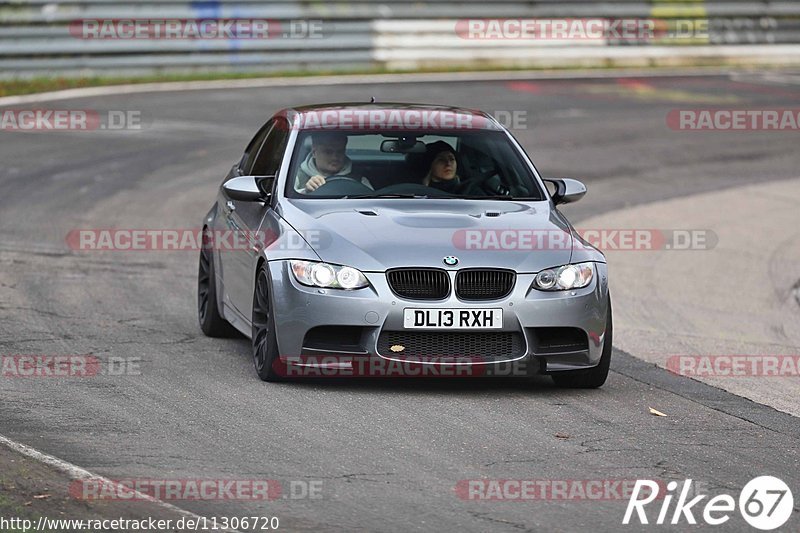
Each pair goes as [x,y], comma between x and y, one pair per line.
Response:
[42,37]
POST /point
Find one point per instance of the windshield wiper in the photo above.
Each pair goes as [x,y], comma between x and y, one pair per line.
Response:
[351,196]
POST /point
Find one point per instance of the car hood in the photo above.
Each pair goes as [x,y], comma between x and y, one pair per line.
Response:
[391,233]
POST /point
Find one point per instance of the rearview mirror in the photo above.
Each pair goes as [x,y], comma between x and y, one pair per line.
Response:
[567,190]
[403,146]
[249,188]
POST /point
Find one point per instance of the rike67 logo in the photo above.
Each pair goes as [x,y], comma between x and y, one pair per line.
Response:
[765,503]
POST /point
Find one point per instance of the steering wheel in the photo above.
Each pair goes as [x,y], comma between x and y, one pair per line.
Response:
[483,182]
[339,178]
[341,185]
[485,175]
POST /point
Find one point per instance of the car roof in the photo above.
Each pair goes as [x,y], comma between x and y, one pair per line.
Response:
[393,115]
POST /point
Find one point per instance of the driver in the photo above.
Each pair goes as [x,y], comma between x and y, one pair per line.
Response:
[327,158]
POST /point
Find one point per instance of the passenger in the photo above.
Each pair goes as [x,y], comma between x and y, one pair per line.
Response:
[327,158]
[440,160]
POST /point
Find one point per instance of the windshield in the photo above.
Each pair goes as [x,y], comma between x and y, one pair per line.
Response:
[345,164]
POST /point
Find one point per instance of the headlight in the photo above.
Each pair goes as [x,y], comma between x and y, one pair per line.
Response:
[565,277]
[316,274]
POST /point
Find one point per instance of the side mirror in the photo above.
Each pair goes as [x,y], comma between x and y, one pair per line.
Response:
[567,190]
[249,188]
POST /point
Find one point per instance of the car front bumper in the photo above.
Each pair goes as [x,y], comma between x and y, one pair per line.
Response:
[551,331]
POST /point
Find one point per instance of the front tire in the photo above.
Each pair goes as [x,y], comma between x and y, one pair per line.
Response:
[265,342]
[594,377]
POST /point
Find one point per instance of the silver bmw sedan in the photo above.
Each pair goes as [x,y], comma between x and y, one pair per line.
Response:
[401,239]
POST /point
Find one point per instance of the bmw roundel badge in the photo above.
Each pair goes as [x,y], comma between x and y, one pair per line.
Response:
[450,260]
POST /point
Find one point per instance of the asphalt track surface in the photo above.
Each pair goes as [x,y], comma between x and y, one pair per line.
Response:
[389,453]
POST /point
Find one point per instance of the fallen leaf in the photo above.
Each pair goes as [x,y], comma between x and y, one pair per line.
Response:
[41,496]
[562,436]
[656,412]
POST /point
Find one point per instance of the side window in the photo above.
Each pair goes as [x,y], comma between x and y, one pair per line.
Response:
[249,157]
[269,158]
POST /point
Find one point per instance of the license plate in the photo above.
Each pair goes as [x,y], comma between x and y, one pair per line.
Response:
[453,318]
